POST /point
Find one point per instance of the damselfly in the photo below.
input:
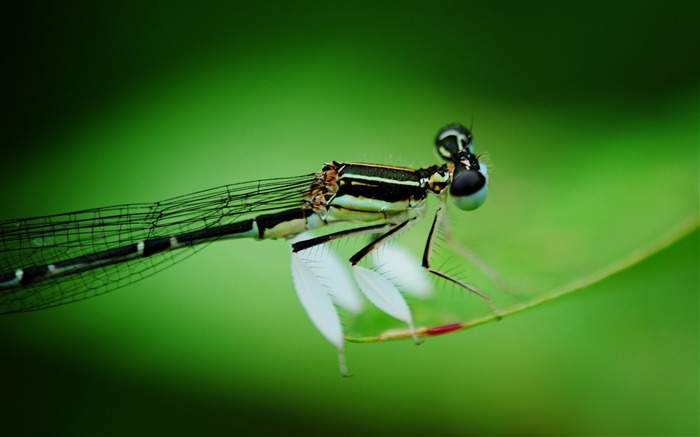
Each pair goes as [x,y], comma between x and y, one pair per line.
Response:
[53,260]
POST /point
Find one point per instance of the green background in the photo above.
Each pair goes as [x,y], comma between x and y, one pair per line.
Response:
[588,113]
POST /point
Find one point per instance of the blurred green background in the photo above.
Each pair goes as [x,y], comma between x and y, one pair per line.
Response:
[587,111]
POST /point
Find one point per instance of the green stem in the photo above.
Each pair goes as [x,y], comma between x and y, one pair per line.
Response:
[666,240]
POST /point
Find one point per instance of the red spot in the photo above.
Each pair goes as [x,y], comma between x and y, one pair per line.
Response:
[444,329]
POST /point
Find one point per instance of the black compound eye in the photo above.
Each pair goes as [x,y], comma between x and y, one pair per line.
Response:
[468,189]
[467,182]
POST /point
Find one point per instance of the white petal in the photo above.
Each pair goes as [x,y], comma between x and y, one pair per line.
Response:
[403,269]
[381,292]
[333,273]
[317,302]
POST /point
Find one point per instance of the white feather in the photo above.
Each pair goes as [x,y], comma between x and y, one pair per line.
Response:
[316,301]
[403,269]
[382,293]
[333,273]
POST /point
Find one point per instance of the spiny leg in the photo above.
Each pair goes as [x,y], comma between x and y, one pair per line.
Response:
[311,242]
[357,257]
[483,265]
[439,215]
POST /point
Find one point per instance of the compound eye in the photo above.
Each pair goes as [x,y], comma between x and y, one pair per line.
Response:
[453,140]
[468,189]
[447,147]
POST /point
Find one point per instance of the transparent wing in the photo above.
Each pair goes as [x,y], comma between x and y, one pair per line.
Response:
[41,241]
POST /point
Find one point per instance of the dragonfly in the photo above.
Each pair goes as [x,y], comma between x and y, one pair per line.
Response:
[58,259]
